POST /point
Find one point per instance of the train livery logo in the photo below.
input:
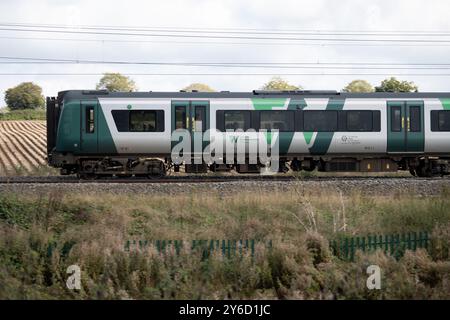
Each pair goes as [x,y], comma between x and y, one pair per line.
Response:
[350,140]
[129,107]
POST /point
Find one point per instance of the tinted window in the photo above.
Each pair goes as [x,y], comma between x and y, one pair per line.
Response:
[396,119]
[180,117]
[414,119]
[139,120]
[444,120]
[90,120]
[200,119]
[359,120]
[235,120]
[121,118]
[277,120]
[142,121]
[320,120]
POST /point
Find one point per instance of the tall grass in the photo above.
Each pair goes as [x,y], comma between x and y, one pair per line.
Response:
[91,231]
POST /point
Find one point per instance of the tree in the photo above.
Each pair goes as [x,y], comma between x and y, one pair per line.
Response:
[358,86]
[200,87]
[116,82]
[394,85]
[26,95]
[277,83]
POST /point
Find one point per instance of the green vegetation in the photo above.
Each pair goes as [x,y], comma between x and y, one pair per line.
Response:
[91,231]
[277,83]
[359,86]
[25,114]
[116,82]
[26,95]
[394,85]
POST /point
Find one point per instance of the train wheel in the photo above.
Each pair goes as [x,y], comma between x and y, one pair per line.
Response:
[424,172]
[413,171]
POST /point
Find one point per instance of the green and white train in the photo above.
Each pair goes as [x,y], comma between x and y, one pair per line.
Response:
[97,133]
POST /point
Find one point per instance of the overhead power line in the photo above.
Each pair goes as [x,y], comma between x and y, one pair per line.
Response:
[235,43]
[234,30]
[209,36]
[251,64]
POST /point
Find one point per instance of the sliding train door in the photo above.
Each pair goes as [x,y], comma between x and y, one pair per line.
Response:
[194,117]
[89,127]
[405,127]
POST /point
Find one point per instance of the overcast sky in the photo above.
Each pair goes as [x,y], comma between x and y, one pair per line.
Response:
[401,15]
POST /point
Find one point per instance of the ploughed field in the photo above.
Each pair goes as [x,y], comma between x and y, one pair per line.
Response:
[22,146]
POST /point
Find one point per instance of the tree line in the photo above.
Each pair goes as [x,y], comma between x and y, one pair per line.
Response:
[28,95]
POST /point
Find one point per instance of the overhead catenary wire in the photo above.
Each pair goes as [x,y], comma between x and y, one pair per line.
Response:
[209,36]
[249,64]
[205,30]
[226,43]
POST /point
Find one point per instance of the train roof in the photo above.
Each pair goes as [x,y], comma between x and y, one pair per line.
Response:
[92,94]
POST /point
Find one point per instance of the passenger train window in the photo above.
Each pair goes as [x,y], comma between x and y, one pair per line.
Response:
[143,120]
[90,120]
[318,120]
[396,119]
[414,119]
[444,120]
[200,119]
[359,120]
[121,118]
[277,120]
[180,117]
[237,119]
[139,120]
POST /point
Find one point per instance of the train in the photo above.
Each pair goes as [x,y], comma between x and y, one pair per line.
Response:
[95,133]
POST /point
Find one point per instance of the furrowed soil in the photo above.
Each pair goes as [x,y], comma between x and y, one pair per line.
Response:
[22,147]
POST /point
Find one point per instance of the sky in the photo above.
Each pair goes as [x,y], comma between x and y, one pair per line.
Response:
[318,15]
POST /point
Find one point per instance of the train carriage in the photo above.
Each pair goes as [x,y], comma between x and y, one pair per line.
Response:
[94,133]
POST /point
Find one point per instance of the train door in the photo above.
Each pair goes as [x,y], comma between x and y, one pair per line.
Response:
[405,126]
[199,125]
[89,127]
[193,116]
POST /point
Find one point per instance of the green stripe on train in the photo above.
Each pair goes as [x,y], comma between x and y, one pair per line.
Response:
[268,104]
[446,104]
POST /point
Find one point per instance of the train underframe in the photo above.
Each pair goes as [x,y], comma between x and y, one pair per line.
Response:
[88,167]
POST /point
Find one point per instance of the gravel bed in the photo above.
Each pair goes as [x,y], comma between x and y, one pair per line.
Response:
[367,186]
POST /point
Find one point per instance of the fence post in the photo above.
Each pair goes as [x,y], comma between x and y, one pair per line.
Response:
[391,244]
[426,239]
[352,249]
[420,240]
[346,248]
[408,241]
[386,244]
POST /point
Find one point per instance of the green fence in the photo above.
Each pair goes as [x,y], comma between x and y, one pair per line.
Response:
[227,248]
[394,245]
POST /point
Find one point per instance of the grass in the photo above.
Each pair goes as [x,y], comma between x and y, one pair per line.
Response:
[300,265]
[26,114]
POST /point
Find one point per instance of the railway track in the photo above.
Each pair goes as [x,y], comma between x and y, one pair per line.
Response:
[204,179]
